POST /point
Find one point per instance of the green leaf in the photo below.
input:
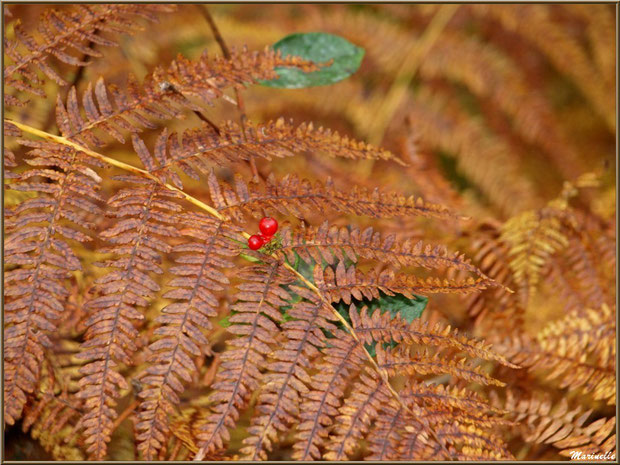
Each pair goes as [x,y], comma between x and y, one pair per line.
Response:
[318,47]
[408,309]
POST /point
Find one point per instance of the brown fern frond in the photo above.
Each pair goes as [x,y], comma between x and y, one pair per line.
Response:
[39,254]
[63,34]
[541,422]
[292,195]
[493,308]
[570,371]
[181,326]
[145,219]
[344,284]
[202,148]
[359,410]
[333,244]
[387,432]
[383,328]
[287,378]
[164,94]
[424,362]
[342,360]
[257,307]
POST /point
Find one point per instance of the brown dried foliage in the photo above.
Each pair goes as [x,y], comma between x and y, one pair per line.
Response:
[138,325]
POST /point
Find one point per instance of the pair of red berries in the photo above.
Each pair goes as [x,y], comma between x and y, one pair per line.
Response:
[268,227]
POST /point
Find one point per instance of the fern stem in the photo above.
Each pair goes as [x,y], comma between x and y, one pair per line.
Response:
[118,164]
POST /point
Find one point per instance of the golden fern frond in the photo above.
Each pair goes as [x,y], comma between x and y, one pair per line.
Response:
[164,94]
[181,326]
[292,196]
[591,331]
[199,148]
[287,377]
[332,244]
[146,217]
[344,284]
[533,237]
[52,421]
[79,29]
[38,252]
[541,422]
[382,327]
[570,371]
[258,305]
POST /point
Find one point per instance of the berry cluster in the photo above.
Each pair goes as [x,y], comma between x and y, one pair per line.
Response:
[268,227]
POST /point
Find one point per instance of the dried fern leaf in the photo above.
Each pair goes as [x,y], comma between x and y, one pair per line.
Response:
[200,149]
[340,364]
[382,327]
[345,284]
[146,218]
[541,422]
[571,371]
[287,377]
[65,33]
[331,244]
[258,305]
[39,252]
[424,362]
[180,328]
[292,196]
[164,95]
[533,236]
[358,411]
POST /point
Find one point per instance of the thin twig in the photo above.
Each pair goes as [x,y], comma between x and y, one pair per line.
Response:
[240,103]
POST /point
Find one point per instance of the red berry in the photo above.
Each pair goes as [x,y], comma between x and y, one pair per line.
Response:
[265,238]
[268,226]
[255,242]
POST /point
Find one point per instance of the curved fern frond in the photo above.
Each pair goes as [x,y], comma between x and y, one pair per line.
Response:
[60,33]
[258,301]
[541,422]
[345,284]
[181,326]
[570,371]
[382,327]
[287,378]
[40,258]
[398,361]
[146,219]
[292,196]
[202,148]
[332,244]
[164,94]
